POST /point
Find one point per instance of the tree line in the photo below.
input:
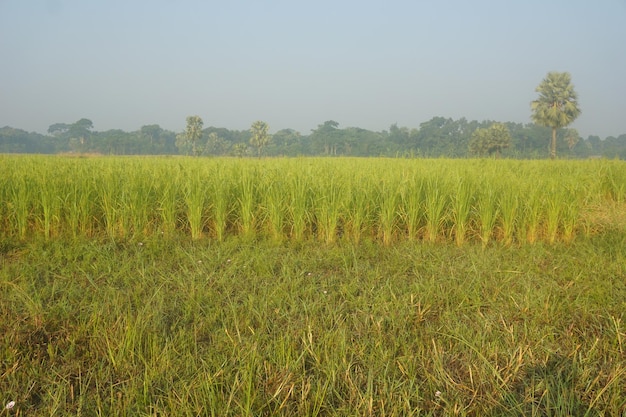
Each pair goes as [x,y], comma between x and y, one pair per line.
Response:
[437,137]
[551,113]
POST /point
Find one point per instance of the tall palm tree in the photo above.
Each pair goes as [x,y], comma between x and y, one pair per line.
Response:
[557,105]
[260,136]
[193,133]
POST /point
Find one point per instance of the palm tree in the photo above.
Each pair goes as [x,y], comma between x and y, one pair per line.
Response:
[260,136]
[193,133]
[557,105]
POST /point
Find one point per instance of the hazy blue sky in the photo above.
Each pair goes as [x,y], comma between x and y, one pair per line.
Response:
[127,63]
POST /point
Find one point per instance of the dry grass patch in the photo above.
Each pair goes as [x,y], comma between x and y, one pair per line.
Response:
[608,215]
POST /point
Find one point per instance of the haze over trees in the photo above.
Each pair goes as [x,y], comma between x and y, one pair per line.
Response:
[554,110]
[437,137]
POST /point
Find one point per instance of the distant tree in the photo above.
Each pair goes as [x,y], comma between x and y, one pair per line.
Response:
[79,133]
[594,143]
[20,141]
[152,132]
[215,145]
[285,142]
[486,141]
[399,135]
[571,137]
[75,135]
[326,138]
[557,105]
[84,124]
[285,137]
[193,133]
[182,144]
[239,149]
[260,136]
[58,129]
[441,137]
[614,147]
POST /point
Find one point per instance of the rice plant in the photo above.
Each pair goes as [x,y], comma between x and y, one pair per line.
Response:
[274,203]
[298,205]
[383,199]
[486,209]
[412,201]
[247,201]
[359,202]
[509,214]
[195,195]
[531,216]
[436,191]
[462,202]
[388,213]
[328,205]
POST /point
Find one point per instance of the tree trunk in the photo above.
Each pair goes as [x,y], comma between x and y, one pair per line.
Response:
[553,144]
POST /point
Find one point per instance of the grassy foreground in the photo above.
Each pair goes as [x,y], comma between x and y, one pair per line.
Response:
[166,326]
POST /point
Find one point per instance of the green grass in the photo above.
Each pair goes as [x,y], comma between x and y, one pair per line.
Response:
[170,326]
[461,201]
[312,287]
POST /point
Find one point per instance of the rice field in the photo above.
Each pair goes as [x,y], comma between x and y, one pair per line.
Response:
[312,287]
[388,200]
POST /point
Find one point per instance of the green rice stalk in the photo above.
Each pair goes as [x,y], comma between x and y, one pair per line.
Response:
[274,203]
[412,208]
[434,205]
[462,202]
[328,208]
[553,215]
[246,197]
[570,215]
[298,205]
[221,207]
[195,199]
[138,202]
[20,203]
[108,196]
[358,210]
[532,214]
[168,206]
[388,209]
[509,210]
[49,204]
[487,213]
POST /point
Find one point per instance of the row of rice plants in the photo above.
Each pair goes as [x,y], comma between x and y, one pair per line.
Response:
[324,199]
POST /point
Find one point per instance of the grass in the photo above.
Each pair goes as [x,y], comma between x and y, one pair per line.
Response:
[461,201]
[179,327]
[312,287]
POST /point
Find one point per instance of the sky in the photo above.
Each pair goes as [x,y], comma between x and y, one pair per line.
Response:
[296,64]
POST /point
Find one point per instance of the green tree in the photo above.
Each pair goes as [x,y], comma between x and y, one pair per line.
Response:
[326,138]
[572,138]
[285,142]
[152,132]
[193,133]
[260,136]
[215,145]
[486,141]
[182,144]
[58,129]
[239,149]
[557,105]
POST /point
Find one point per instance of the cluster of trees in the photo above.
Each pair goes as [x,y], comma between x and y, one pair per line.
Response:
[554,110]
[79,137]
[437,137]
